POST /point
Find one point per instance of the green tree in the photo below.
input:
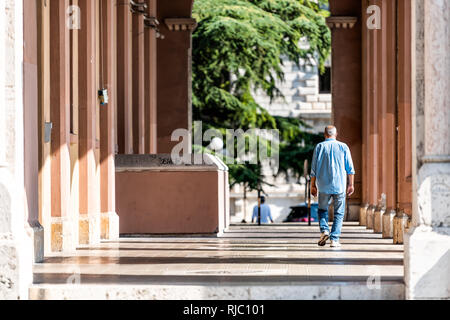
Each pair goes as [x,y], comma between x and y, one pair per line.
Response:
[238,48]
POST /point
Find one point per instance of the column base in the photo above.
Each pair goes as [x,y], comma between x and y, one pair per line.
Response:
[369,217]
[378,220]
[36,233]
[89,229]
[363,215]
[353,212]
[400,225]
[109,226]
[62,235]
[427,257]
[388,224]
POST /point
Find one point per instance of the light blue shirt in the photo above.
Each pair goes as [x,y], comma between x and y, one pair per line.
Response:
[331,164]
[266,216]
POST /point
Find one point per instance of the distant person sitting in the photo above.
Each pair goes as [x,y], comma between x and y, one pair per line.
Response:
[266,216]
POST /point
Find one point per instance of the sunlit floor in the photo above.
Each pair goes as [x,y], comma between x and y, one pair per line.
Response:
[275,253]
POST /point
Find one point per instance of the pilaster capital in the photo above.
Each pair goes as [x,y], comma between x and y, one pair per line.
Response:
[181,24]
[344,22]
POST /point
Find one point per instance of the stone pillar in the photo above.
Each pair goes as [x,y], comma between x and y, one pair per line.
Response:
[30,103]
[15,243]
[89,222]
[109,219]
[386,106]
[390,157]
[138,77]
[124,79]
[404,120]
[151,63]
[174,71]
[381,110]
[44,163]
[345,24]
[365,117]
[427,244]
[373,115]
[62,227]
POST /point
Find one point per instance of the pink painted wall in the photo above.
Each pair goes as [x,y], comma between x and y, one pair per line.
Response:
[170,202]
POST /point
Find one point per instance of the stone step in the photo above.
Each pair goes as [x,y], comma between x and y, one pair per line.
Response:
[388,290]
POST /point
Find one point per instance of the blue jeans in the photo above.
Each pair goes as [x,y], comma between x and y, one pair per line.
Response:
[339,211]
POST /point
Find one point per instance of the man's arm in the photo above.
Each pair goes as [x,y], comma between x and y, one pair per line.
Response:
[350,172]
[313,173]
[313,186]
[351,187]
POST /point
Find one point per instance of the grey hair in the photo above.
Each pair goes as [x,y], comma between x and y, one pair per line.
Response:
[331,131]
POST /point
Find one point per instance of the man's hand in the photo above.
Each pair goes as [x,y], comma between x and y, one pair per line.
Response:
[314,191]
[313,187]
[351,183]
[350,190]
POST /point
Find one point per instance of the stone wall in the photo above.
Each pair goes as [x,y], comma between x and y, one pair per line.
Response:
[427,244]
[15,237]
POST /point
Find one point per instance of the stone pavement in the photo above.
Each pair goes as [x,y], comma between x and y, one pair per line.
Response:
[279,261]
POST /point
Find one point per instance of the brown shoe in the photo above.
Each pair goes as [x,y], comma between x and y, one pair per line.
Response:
[323,238]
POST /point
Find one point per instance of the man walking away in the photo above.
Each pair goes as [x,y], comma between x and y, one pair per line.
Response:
[331,164]
[266,216]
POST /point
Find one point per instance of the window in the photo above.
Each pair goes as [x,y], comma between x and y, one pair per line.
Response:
[325,81]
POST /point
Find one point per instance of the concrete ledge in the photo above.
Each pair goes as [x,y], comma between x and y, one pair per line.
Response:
[164,162]
[157,195]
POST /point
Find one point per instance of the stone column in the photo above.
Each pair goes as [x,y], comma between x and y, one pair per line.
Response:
[404,120]
[427,244]
[365,117]
[404,145]
[62,226]
[124,79]
[15,243]
[387,116]
[345,24]
[109,219]
[373,150]
[138,84]
[174,71]
[31,141]
[151,63]
[89,222]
